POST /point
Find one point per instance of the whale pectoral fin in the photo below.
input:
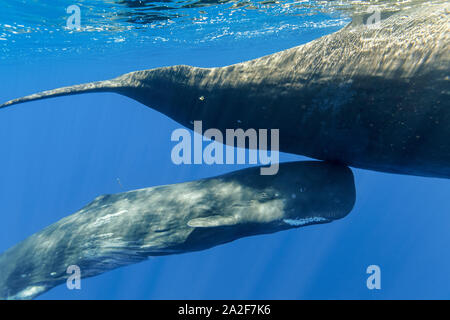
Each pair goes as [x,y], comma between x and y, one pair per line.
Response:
[212,221]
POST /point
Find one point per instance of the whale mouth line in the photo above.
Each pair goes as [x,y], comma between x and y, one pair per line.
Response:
[305,221]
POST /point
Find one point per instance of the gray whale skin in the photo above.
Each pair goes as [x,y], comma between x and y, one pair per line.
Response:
[125,228]
[371,98]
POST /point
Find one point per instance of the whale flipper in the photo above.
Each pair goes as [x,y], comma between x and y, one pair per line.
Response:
[212,221]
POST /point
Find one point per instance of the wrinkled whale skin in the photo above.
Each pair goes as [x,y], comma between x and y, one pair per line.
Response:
[373,98]
[125,228]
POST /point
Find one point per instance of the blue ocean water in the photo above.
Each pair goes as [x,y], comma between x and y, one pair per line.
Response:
[59,154]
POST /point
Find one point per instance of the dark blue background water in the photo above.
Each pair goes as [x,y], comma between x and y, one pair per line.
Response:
[57,155]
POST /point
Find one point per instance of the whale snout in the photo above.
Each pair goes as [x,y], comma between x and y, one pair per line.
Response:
[317,192]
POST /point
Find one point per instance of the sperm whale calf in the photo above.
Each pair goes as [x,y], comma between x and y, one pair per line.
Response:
[125,228]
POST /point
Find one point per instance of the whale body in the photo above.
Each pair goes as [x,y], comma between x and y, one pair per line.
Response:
[372,98]
[125,228]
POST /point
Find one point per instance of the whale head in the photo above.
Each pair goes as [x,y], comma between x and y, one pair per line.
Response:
[301,194]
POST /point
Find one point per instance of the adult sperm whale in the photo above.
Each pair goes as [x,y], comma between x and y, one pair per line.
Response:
[121,229]
[373,98]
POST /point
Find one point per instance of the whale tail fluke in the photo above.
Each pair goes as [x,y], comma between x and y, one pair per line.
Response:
[99,86]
